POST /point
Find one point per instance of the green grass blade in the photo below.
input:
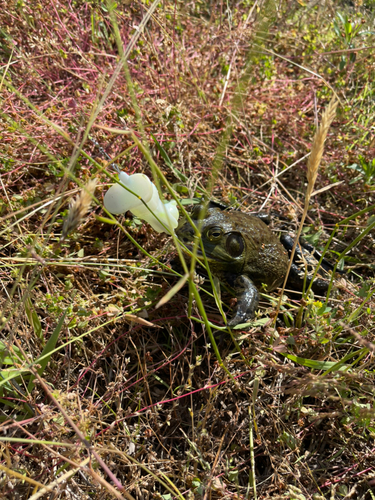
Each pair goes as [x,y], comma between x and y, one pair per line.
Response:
[49,347]
[327,366]
[168,161]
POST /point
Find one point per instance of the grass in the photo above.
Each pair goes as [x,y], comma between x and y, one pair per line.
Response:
[118,377]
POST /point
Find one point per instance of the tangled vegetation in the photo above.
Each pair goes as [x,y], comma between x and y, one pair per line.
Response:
[119,378]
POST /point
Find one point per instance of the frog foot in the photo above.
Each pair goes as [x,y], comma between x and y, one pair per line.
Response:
[247,300]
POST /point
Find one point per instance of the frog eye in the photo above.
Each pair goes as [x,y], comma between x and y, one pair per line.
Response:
[214,233]
[234,244]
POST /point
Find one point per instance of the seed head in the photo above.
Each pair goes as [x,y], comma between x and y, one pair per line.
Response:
[318,145]
[78,208]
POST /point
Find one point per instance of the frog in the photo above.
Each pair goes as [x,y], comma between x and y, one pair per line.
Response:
[244,253]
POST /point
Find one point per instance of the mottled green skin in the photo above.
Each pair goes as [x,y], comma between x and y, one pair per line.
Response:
[242,251]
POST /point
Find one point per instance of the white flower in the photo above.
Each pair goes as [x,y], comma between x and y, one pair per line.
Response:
[118,200]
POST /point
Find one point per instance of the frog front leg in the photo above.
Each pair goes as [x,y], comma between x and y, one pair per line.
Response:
[247,299]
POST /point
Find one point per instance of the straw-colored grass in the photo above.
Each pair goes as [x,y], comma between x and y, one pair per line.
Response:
[312,173]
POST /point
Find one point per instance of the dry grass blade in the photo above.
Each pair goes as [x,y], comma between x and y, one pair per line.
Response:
[62,479]
[172,292]
[13,473]
[140,321]
[78,208]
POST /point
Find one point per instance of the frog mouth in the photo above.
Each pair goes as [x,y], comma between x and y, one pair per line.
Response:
[199,254]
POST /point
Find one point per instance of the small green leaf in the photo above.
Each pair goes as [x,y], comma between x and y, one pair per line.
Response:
[180,188]
[189,201]
[232,475]
[6,358]
[242,326]
[258,322]
[289,440]
[33,319]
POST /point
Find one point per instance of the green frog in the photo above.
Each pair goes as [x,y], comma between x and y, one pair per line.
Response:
[242,252]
